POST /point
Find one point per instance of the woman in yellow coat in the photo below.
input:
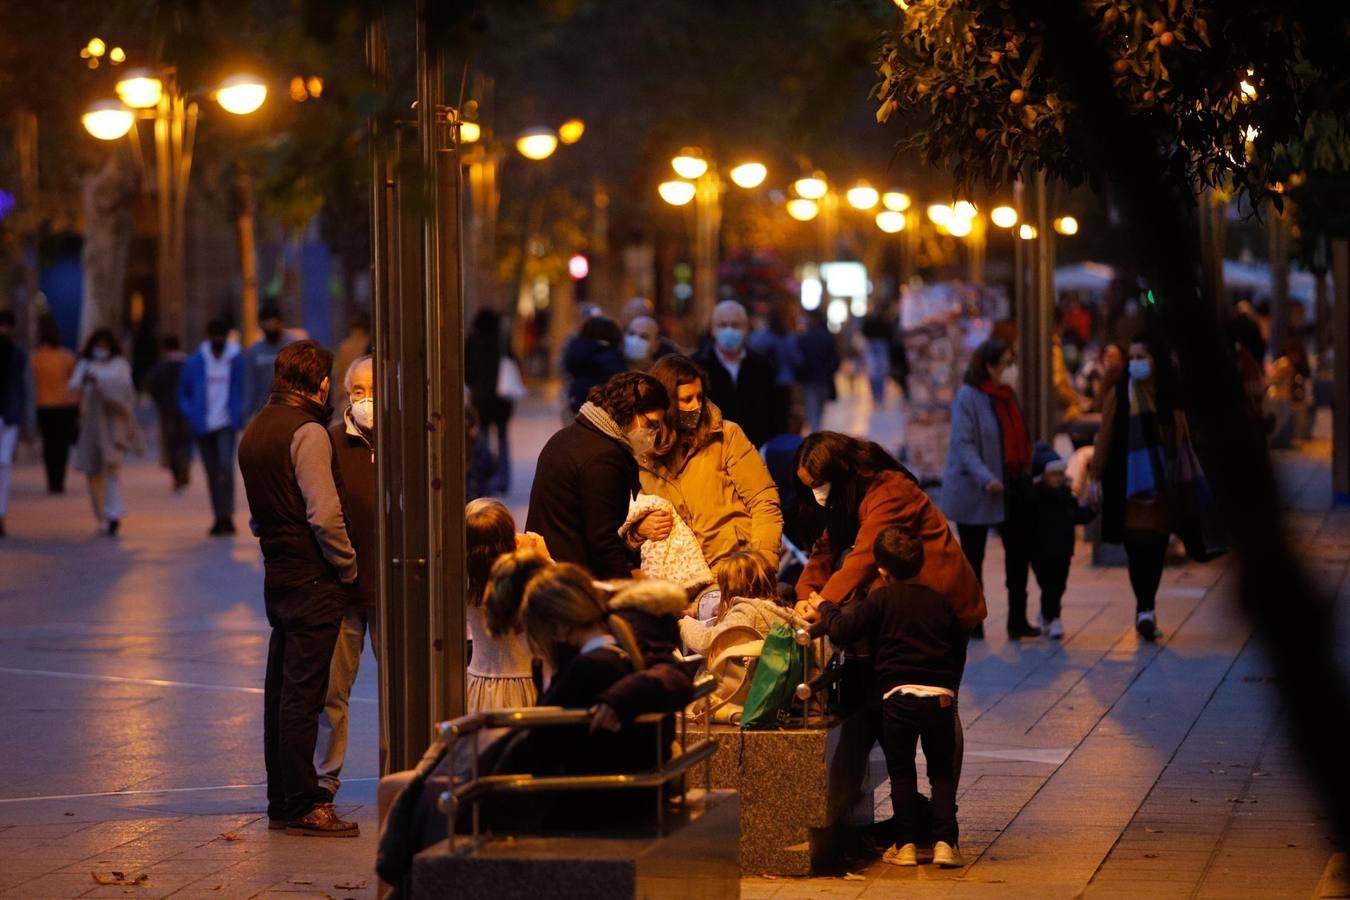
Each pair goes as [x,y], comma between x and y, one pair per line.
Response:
[710,472]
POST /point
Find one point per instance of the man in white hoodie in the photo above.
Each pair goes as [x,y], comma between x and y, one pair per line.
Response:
[210,395]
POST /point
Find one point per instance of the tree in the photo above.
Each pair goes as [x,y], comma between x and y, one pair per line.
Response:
[1102,129]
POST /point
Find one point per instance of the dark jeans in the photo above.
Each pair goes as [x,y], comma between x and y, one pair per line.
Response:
[218,460]
[305,624]
[905,720]
[1145,555]
[1052,574]
[175,446]
[57,424]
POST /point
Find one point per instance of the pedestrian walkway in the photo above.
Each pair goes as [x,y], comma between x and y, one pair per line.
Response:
[131,676]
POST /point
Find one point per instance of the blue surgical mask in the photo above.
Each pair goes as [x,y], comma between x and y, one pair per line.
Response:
[635,347]
[1141,369]
[729,340]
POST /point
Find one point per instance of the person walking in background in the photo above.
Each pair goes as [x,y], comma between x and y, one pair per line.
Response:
[817,362]
[107,424]
[593,357]
[1056,515]
[740,381]
[260,359]
[878,331]
[1129,463]
[309,566]
[354,459]
[485,352]
[175,434]
[16,405]
[210,395]
[643,344]
[58,407]
[987,479]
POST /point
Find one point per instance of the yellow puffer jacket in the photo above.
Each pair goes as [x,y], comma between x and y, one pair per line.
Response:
[724,492]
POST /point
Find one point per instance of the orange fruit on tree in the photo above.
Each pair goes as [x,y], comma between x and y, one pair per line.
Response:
[1159,27]
[1167,39]
[1017,97]
[980,133]
[1112,14]
[1120,66]
[1149,96]
[951,91]
[995,56]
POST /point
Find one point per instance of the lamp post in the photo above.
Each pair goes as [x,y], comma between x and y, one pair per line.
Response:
[702,183]
[156,96]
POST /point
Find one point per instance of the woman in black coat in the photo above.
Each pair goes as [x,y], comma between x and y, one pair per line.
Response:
[588,474]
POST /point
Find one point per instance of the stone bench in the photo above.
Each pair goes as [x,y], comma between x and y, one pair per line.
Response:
[790,825]
[695,856]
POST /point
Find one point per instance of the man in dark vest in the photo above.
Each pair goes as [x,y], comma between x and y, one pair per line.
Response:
[309,565]
[354,455]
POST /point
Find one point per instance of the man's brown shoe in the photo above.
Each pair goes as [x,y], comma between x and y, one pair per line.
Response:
[322,821]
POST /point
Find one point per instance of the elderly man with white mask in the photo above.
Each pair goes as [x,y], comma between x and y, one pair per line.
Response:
[354,461]
[740,381]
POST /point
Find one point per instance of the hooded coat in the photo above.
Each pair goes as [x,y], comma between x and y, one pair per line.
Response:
[723,490]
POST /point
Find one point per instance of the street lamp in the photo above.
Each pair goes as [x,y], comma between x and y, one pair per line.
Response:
[537,143]
[676,193]
[155,95]
[1003,216]
[890,221]
[896,201]
[812,187]
[571,131]
[1066,225]
[690,163]
[862,196]
[749,175]
[803,210]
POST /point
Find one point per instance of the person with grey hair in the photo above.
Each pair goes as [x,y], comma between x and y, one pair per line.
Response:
[354,460]
[741,382]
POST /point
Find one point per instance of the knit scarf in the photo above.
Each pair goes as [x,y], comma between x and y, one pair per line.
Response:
[604,422]
[1016,441]
[1144,467]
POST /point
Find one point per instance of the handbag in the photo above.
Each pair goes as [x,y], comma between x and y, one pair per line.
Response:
[732,658]
[510,384]
[1193,514]
[780,669]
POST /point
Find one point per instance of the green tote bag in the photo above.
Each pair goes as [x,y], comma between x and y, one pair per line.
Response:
[777,674]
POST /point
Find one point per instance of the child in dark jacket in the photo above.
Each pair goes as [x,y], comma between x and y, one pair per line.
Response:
[1056,515]
[919,650]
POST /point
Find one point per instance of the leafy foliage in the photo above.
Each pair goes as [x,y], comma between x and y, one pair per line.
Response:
[1251,97]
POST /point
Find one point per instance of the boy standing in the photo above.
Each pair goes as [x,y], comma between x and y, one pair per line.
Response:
[919,649]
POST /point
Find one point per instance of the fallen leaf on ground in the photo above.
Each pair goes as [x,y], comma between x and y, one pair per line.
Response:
[849,876]
[1153,830]
[301,881]
[350,885]
[231,836]
[119,878]
[1150,856]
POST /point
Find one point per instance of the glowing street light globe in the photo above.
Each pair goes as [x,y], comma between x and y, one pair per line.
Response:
[676,193]
[537,143]
[813,187]
[689,164]
[469,132]
[959,226]
[1027,232]
[896,201]
[940,214]
[140,89]
[802,210]
[1003,216]
[1066,225]
[963,209]
[241,94]
[571,131]
[863,196]
[108,120]
[749,175]
[890,221]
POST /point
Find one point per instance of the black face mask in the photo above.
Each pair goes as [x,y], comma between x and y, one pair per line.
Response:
[688,420]
[272,334]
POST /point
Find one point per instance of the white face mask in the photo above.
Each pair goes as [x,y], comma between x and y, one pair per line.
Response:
[1009,375]
[641,438]
[363,413]
[635,347]
[822,493]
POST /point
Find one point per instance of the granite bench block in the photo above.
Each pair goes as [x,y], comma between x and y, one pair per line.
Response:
[695,860]
[790,825]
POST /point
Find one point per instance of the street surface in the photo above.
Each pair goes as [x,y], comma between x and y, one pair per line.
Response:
[131,691]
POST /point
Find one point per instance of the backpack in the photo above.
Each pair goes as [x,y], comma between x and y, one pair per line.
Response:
[731,659]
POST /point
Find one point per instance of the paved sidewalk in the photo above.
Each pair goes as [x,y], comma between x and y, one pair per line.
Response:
[130,685]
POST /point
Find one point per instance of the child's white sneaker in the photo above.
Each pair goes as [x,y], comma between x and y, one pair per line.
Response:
[907,855]
[946,856]
[1054,630]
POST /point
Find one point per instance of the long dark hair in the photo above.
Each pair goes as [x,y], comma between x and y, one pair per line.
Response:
[986,355]
[673,371]
[489,532]
[850,466]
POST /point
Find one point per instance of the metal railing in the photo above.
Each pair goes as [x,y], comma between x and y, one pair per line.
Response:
[477,787]
[813,685]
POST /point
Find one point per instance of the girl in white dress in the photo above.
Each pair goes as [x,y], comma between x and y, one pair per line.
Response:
[500,674]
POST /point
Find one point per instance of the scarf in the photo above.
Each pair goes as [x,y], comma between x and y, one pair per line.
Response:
[1016,441]
[1144,467]
[604,422]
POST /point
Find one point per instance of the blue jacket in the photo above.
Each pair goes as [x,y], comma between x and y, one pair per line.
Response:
[974,458]
[192,389]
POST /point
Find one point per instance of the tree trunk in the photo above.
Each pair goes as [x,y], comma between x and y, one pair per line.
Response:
[109,223]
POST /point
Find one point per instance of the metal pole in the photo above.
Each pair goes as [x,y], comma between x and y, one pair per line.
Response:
[1340,406]
[170,319]
[707,225]
[248,259]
